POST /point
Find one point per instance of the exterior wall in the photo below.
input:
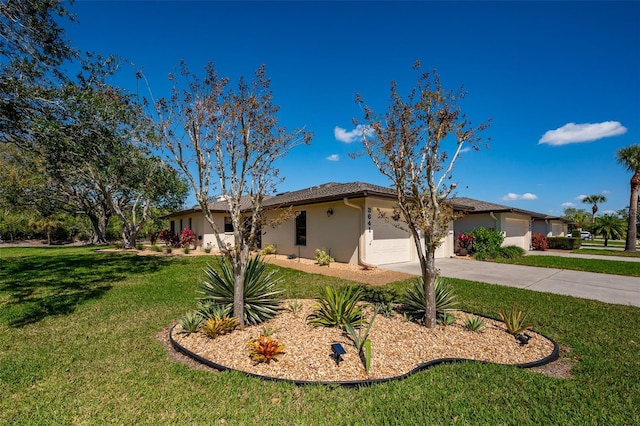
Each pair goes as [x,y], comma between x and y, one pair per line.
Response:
[549,228]
[515,227]
[447,247]
[338,233]
[199,224]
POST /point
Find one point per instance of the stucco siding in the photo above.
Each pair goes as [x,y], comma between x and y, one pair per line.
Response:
[337,233]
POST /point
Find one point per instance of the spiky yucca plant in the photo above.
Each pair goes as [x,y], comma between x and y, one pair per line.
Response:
[261,289]
[337,306]
[413,302]
[264,349]
[514,320]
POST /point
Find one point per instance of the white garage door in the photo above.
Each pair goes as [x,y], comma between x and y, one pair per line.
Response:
[389,243]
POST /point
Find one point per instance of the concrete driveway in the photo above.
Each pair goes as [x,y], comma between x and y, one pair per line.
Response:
[606,288]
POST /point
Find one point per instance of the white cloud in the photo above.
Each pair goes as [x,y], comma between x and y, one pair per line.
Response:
[587,132]
[333,157]
[568,204]
[610,212]
[581,197]
[526,196]
[606,191]
[349,136]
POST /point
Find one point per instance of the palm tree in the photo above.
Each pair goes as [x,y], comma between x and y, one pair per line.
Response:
[594,199]
[609,227]
[629,157]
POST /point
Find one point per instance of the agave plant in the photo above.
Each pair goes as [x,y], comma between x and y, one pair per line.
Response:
[337,306]
[414,301]
[190,322]
[208,309]
[474,323]
[261,289]
[514,320]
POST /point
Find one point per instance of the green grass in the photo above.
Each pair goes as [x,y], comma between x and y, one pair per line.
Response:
[605,252]
[78,346]
[630,269]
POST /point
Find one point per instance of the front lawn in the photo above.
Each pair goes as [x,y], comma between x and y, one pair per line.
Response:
[78,345]
[630,269]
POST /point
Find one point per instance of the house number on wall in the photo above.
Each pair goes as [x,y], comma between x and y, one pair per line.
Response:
[369,218]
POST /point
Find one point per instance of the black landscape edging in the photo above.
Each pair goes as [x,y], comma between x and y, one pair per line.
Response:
[358,383]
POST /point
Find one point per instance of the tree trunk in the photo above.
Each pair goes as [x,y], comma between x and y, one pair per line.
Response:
[426,255]
[129,238]
[632,230]
[240,268]
[99,224]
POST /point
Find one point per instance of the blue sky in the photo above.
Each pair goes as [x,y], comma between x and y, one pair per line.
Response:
[559,80]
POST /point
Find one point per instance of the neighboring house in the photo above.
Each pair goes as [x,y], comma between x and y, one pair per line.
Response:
[516,225]
[353,222]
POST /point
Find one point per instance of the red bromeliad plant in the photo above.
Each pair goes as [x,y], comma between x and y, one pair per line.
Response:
[187,237]
[264,349]
[465,242]
[169,238]
[539,242]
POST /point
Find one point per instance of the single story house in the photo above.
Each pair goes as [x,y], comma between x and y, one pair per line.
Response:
[516,225]
[354,223]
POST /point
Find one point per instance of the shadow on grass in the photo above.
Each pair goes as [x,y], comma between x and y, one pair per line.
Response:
[34,287]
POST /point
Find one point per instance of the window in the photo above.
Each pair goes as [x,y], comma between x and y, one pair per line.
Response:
[190,224]
[228,225]
[173,226]
[301,228]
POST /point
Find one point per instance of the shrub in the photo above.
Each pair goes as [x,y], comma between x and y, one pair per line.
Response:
[474,323]
[186,249]
[261,289]
[187,237]
[378,294]
[168,237]
[207,249]
[139,246]
[217,326]
[156,248]
[268,249]
[510,252]
[323,258]
[486,240]
[507,252]
[337,306]
[514,320]
[539,242]
[265,349]
[414,301]
[563,243]
[153,237]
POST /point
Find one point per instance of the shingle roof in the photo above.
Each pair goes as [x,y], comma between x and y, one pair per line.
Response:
[478,206]
[332,191]
[329,192]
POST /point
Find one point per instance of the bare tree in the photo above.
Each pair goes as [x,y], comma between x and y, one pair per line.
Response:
[227,141]
[407,145]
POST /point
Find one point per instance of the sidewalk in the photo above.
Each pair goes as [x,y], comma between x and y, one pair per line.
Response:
[606,288]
